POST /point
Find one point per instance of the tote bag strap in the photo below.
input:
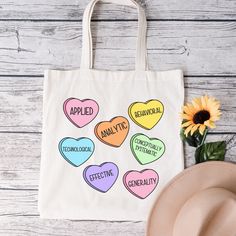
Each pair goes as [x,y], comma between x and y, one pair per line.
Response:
[87,46]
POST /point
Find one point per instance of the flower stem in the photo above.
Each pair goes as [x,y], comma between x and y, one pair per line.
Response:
[204,137]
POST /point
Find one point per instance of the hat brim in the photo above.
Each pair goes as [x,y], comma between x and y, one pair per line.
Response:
[189,182]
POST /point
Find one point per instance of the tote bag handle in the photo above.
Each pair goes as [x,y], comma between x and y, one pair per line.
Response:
[87,46]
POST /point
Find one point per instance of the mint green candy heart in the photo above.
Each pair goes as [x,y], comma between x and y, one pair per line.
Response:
[145,149]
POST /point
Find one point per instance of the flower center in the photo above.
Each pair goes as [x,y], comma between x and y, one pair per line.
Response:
[201,116]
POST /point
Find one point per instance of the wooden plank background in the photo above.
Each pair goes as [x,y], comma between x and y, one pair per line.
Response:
[196,35]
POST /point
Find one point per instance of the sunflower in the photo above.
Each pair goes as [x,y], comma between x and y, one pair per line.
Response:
[200,114]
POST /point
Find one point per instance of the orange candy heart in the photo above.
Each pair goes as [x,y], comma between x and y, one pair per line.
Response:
[113,132]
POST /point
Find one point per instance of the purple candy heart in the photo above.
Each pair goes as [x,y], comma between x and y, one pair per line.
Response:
[101,177]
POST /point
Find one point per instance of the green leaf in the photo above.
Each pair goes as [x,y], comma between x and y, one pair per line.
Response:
[195,140]
[214,151]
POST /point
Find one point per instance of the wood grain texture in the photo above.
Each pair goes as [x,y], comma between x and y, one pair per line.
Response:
[199,48]
[198,36]
[161,9]
[31,225]
[21,101]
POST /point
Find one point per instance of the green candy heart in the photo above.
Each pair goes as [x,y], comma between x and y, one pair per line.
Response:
[145,149]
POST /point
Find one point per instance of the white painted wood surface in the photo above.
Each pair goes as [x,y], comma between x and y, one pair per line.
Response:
[199,48]
[156,9]
[195,35]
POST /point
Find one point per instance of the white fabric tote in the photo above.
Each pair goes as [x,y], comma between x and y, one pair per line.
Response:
[110,139]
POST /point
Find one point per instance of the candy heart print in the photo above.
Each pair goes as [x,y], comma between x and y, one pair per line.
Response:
[101,177]
[76,151]
[146,114]
[145,149]
[112,132]
[141,183]
[80,112]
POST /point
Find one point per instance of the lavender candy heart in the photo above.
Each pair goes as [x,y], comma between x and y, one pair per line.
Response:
[101,177]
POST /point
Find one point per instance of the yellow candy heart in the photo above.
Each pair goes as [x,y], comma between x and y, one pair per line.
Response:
[146,114]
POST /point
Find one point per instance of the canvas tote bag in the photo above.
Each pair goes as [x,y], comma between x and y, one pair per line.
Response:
[110,139]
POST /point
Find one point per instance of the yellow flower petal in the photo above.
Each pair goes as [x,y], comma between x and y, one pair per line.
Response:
[186,124]
[188,109]
[195,127]
[202,129]
[203,101]
[186,132]
[186,117]
[210,124]
[215,118]
[196,105]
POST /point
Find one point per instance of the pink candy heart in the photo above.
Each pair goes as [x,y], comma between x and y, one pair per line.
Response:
[141,183]
[80,112]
